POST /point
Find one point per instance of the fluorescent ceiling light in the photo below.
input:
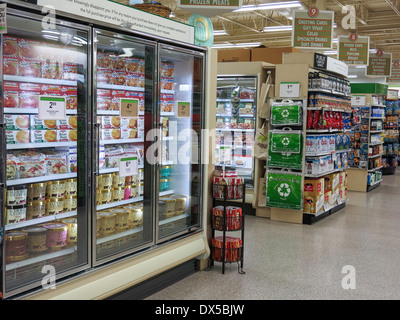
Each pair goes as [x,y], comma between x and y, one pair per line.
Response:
[335,40]
[236,45]
[352,76]
[361,66]
[270,6]
[277,28]
[330,52]
[219,32]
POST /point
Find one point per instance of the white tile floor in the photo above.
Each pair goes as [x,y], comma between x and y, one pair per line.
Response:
[290,261]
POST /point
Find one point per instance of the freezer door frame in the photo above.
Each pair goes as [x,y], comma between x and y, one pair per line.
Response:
[198,227]
[75,270]
[150,168]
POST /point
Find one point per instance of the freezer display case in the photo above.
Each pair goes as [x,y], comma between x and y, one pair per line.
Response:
[235,123]
[124,99]
[44,141]
[181,80]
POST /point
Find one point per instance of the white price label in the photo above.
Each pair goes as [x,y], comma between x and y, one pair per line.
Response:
[128,167]
[357,101]
[289,90]
[225,155]
[52,108]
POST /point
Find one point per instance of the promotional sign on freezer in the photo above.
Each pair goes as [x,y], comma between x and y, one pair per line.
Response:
[44,113]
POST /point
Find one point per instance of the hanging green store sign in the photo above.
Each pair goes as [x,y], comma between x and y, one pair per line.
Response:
[209,8]
[353,50]
[312,30]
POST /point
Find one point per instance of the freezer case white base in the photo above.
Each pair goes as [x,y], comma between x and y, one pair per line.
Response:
[107,281]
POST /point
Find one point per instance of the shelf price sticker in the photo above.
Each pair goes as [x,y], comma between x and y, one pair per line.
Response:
[128,167]
[183,109]
[52,108]
[129,108]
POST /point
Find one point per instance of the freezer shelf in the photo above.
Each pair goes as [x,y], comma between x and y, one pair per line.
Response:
[41,179]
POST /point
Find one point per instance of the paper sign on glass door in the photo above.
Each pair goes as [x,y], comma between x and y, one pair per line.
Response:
[183,109]
[129,107]
[52,108]
[128,167]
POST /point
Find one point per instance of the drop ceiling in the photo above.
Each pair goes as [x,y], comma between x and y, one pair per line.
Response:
[379,19]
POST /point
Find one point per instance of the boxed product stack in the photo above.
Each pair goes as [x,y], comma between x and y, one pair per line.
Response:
[313,195]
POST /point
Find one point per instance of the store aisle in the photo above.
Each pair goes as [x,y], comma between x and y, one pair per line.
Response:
[289,261]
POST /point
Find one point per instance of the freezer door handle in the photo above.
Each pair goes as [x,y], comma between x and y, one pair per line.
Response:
[97,152]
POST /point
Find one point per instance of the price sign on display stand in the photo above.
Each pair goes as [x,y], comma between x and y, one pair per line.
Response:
[129,107]
[357,101]
[225,156]
[289,89]
[52,108]
[128,167]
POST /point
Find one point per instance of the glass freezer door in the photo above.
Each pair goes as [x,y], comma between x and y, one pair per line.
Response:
[124,95]
[45,114]
[181,79]
[235,123]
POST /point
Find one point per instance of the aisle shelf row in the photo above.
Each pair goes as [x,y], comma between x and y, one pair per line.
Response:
[42,220]
[327,153]
[334,92]
[118,203]
[375,169]
[118,87]
[33,111]
[42,179]
[71,83]
[113,170]
[18,146]
[325,173]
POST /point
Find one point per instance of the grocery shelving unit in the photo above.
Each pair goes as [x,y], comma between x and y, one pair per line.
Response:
[391,135]
[295,69]
[368,99]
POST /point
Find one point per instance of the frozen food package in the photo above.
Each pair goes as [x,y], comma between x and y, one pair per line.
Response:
[16,122]
[246,93]
[69,71]
[110,134]
[30,68]
[118,63]
[129,123]
[66,135]
[70,123]
[17,136]
[104,99]
[129,133]
[11,66]
[102,156]
[37,124]
[140,152]
[110,122]
[51,69]
[29,99]
[104,60]
[119,78]
[72,159]
[113,155]
[10,46]
[167,69]
[104,75]
[42,136]
[31,165]
[11,169]
[10,94]
[56,162]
